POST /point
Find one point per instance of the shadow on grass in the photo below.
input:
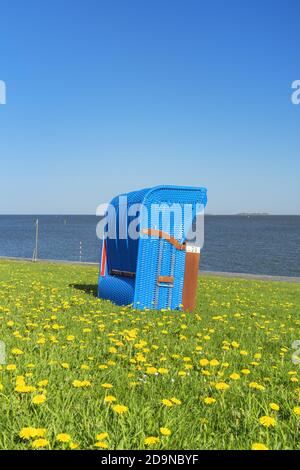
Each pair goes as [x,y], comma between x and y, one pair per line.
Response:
[87,288]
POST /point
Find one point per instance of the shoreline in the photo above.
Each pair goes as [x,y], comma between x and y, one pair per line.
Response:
[245,276]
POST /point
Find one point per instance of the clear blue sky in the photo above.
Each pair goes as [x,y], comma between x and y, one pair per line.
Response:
[109,96]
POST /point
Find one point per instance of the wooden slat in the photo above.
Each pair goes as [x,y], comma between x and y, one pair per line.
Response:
[190,281]
[160,234]
[166,279]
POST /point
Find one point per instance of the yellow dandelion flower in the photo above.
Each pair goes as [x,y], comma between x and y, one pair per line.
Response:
[151,440]
[102,436]
[101,445]
[73,445]
[256,386]
[81,383]
[120,409]
[109,399]
[17,352]
[106,385]
[204,362]
[43,383]
[259,446]
[176,401]
[22,388]
[39,399]
[39,443]
[163,371]
[296,410]
[181,373]
[214,363]
[165,431]
[27,433]
[267,421]
[63,437]
[151,370]
[274,406]
[167,402]
[221,386]
[235,376]
[209,400]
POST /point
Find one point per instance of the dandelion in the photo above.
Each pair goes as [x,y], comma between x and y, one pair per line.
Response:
[63,437]
[165,431]
[222,386]
[163,371]
[235,376]
[274,406]
[120,409]
[296,410]
[39,443]
[151,441]
[176,401]
[267,421]
[39,399]
[81,383]
[109,399]
[73,445]
[151,370]
[17,352]
[22,388]
[259,446]
[204,362]
[101,445]
[106,385]
[214,362]
[167,402]
[29,432]
[102,436]
[256,386]
[43,383]
[209,400]
[182,373]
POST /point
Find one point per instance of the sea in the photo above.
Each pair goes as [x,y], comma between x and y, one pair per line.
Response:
[254,244]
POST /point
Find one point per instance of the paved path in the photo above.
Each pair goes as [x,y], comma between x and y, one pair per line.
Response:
[258,277]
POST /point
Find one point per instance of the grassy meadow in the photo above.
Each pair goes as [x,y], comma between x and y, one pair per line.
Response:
[81,373]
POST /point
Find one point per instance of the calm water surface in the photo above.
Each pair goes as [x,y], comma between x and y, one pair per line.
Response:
[255,244]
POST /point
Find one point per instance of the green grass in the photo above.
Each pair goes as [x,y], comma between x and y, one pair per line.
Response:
[55,329]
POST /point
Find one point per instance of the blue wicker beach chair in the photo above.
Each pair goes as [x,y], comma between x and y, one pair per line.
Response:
[158,268]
